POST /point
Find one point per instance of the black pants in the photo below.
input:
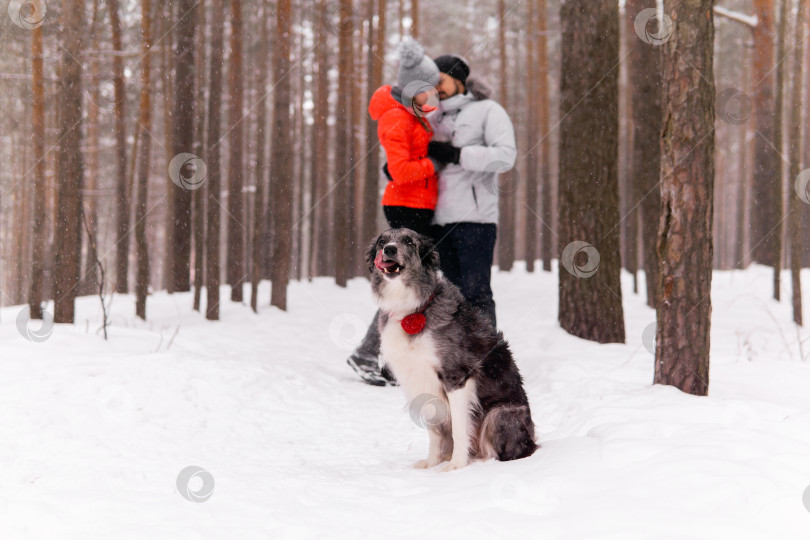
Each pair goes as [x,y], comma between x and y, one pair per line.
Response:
[466,251]
[398,217]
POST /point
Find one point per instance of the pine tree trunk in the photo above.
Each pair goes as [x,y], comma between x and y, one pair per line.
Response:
[797,139]
[212,273]
[415,19]
[199,146]
[236,196]
[145,123]
[685,248]
[71,165]
[38,124]
[530,238]
[778,144]
[122,192]
[506,199]
[183,138]
[644,65]
[343,150]
[281,174]
[261,183]
[590,296]
[322,247]
[376,53]
[763,241]
[549,235]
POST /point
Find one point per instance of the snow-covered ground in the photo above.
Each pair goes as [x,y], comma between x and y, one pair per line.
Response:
[96,436]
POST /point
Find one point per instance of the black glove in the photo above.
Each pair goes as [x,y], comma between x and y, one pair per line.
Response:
[444,152]
[387,173]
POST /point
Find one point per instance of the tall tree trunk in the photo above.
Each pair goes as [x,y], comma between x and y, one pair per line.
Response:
[778,143]
[644,65]
[261,183]
[322,245]
[71,165]
[590,291]
[122,192]
[199,150]
[376,52]
[236,196]
[532,157]
[183,139]
[545,134]
[763,240]
[38,124]
[281,174]
[213,161]
[145,123]
[415,19]
[797,140]
[343,150]
[506,200]
[685,248]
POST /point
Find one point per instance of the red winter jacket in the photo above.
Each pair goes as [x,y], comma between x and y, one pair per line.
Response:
[405,140]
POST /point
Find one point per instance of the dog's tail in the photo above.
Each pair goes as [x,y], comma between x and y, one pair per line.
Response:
[507,433]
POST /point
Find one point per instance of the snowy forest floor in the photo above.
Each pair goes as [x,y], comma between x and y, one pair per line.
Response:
[94,434]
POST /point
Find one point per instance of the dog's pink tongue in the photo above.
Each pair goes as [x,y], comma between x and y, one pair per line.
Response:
[379,263]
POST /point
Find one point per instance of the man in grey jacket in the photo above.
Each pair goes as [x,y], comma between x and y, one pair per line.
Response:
[475,140]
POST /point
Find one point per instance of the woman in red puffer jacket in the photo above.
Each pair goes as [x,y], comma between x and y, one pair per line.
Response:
[410,197]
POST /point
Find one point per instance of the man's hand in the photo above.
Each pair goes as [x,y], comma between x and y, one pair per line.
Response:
[444,152]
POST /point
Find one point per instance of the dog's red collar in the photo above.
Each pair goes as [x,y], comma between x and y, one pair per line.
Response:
[415,322]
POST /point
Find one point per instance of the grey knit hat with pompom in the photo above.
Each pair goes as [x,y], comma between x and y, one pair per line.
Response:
[414,66]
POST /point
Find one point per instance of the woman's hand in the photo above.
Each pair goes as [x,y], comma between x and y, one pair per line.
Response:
[444,152]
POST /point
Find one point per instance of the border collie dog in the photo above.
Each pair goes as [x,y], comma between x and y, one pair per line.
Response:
[443,350]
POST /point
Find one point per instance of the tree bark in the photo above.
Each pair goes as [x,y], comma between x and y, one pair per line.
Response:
[796,140]
[590,295]
[199,150]
[281,174]
[685,248]
[183,139]
[530,238]
[145,123]
[766,159]
[71,164]
[506,200]
[321,247]
[122,192]
[38,124]
[236,196]
[343,150]
[213,162]
[261,163]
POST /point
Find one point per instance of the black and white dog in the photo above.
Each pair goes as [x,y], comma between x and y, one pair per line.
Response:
[438,345]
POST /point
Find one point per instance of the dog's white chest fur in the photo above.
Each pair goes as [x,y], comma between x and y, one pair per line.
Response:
[413,359]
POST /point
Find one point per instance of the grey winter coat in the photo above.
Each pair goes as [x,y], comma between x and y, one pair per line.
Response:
[468,192]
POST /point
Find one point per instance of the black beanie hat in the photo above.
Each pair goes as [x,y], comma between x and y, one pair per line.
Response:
[455,66]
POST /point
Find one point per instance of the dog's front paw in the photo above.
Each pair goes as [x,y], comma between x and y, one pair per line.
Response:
[426,463]
[454,464]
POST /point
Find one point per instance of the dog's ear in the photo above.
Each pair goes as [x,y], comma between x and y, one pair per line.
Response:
[428,253]
[371,254]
